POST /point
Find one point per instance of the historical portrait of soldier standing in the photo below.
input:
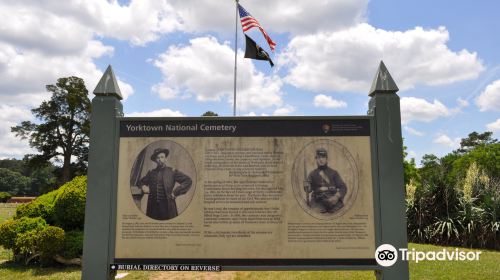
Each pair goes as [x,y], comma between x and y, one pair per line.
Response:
[156,193]
[324,186]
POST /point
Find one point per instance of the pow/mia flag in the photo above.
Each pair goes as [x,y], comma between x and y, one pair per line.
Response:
[254,51]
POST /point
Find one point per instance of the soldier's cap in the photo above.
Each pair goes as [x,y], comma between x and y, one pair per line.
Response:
[159,151]
[321,152]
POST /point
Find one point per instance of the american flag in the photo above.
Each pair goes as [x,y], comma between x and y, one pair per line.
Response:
[248,22]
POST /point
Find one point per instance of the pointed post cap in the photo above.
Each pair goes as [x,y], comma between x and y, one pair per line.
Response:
[108,86]
[383,82]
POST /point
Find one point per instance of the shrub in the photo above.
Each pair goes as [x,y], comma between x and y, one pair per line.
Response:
[10,230]
[40,244]
[73,244]
[8,234]
[32,239]
[42,206]
[4,197]
[69,207]
[64,207]
[36,209]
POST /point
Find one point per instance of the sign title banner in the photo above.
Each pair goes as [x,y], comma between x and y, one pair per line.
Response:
[244,128]
[245,192]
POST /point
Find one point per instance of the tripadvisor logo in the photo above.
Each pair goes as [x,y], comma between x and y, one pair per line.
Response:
[387,255]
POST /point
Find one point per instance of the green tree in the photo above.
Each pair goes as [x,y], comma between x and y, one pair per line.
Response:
[431,169]
[209,114]
[476,139]
[410,168]
[13,164]
[42,176]
[42,180]
[13,182]
[64,128]
[486,156]
[477,148]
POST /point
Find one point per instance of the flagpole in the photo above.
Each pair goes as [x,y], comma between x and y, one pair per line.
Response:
[235,57]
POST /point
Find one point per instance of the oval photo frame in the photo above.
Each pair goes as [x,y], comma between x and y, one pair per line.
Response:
[339,159]
[178,159]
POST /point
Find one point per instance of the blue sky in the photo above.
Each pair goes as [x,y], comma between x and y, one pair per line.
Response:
[175,58]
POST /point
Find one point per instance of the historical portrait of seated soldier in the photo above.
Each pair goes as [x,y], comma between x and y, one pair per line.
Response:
[324,187]
[163,185]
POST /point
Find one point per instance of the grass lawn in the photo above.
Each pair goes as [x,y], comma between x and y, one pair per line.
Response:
[7,210]
[487,268]
[9,270]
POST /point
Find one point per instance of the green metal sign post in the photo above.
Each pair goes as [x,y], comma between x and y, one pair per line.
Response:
[98,244]
[384,106]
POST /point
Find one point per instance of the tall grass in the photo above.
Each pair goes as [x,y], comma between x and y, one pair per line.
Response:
[467,214]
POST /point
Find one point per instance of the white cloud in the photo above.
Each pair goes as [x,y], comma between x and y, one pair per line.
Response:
[445,140]
[253,114]
[157,113]
[331,60]
[11,146]
[144,21]
[494,126]
[411,154]
[125,88]
[413,131]
[489,100]
[299,16]
[42,24]
[325,101]
[204,69]
[284,111]
[462,103]
[139,22]
[417,109]
[26,72]
[32,28]
[44,40]
[13,114]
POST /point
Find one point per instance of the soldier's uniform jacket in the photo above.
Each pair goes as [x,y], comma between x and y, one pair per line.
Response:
[325,183]
[161,183]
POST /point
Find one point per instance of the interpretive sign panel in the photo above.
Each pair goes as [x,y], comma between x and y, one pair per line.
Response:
[245,192]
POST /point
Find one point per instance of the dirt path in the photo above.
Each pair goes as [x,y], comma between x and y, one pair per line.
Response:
[223,275]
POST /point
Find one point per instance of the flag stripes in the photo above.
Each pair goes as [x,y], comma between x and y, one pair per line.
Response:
[248,22]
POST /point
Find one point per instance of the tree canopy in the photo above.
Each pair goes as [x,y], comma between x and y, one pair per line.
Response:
[476,139]
[13,165]
[209,114]
[13,182]
[64,128]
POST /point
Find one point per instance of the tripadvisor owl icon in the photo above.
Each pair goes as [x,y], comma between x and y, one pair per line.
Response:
[386,255]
